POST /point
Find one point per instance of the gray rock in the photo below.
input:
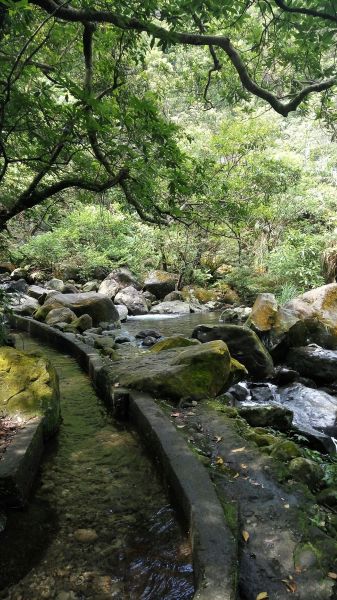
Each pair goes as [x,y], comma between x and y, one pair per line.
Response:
[148,332]
[268,416]
[55,284]
[99,307]
[60,315]
[36,291]
[314,362]
[174,296]
[160,283]
[171,308]
[82,323]
[122,311]
[19,286]
[243,344]
[90,286]
[150,297]
[116,281]
[24,305]
[133,300]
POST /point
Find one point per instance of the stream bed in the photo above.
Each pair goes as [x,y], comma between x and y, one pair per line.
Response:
[99,525]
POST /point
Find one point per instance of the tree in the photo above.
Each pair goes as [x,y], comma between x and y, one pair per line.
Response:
[75,112]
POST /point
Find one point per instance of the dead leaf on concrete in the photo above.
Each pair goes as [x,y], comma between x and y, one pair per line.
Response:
[290,584]
[245,536]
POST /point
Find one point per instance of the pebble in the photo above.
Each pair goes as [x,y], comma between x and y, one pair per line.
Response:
[85,536]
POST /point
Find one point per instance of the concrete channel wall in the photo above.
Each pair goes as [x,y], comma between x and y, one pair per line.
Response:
[214,548]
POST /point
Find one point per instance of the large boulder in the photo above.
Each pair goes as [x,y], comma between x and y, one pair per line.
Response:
[60,315]
[197,372]
[174,341]
[264,311]
[37,292]
[174,307]
[160,283]
[314,362]
[29,388]
[55,284]
[314,412]
[23,305]
[319,303]
[244,345]
[133,300]
[99,307]
[116,281]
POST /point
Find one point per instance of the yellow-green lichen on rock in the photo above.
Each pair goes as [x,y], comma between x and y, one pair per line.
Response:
[29,388]
[174,341]
[197,372]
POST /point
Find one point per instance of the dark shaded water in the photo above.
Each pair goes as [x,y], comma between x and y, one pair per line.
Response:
[170,324]
[96,477]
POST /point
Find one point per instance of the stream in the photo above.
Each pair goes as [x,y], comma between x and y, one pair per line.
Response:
[95,477]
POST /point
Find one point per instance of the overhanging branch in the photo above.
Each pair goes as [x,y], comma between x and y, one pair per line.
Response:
[194,39]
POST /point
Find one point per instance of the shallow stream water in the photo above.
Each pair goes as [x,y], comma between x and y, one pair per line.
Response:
[95,477]
[170,324]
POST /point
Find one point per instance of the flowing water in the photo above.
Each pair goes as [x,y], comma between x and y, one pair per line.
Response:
[170,324]
[95,477]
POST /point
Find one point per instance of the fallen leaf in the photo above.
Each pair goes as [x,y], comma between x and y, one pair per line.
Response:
[286,505]
[236,475]
[219,460]
[243,466]
[190,414]
[181,426]
[262,596]
[290,584]
[238,450]
[332,575]
[217,438]
[116,384]
[245,536]
[175,414]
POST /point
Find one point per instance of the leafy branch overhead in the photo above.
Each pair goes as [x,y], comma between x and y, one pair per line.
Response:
[77,110]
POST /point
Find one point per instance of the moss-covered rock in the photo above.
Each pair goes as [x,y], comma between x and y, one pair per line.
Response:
[264,311]
[43,311]
[60,315]
[268,416]
[328,497]
[29,387]
[244,345]
[285,451]
[198,372]
[174,341]
[306,471]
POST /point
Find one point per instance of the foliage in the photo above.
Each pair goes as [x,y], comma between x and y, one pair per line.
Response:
[86,238]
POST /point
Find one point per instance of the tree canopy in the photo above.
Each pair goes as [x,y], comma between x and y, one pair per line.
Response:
[77,111]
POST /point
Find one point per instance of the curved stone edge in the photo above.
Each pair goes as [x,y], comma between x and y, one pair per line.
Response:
[214,549]
[20,463]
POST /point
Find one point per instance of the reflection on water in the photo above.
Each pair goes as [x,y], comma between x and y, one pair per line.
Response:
[170,324]
[95,478]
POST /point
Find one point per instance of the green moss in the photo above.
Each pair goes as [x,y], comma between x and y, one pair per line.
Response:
[176,341]
[29,387]
[285,450]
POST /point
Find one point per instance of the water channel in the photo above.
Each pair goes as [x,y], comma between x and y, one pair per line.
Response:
[95,477]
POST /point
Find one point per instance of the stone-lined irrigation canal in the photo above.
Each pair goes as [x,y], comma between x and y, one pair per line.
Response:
[99,525]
